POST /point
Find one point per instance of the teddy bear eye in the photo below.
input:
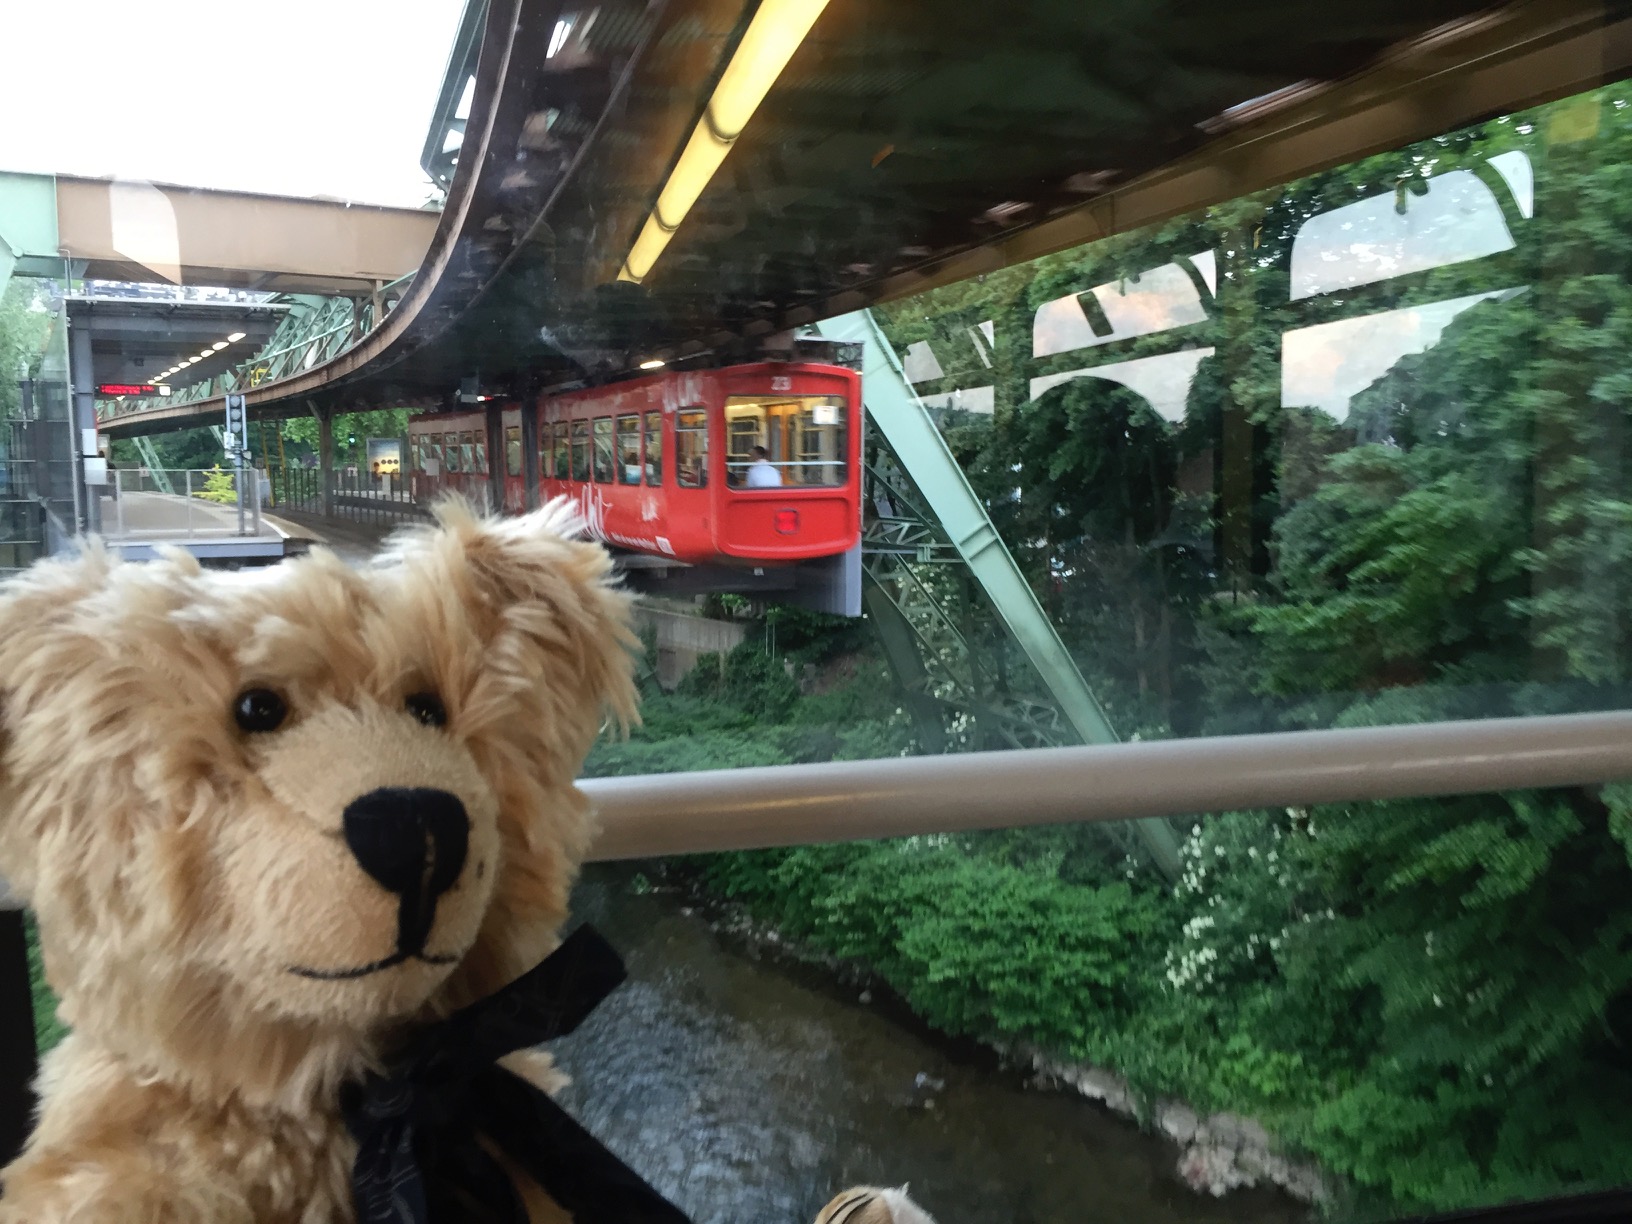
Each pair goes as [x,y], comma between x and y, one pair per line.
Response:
[258,710]
[428,708]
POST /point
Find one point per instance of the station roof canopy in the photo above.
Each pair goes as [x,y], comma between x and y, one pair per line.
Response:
[903,145]
[135,340]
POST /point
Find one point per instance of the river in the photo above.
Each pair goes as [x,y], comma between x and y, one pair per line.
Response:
[749,1092]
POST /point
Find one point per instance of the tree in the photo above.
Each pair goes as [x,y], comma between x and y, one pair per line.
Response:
[24,326]
[218,487]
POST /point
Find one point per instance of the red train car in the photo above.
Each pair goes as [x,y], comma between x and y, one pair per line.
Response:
[745,466]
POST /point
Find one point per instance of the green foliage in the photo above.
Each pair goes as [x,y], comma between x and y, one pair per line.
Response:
[1432,996]
[186,450]
[218,487]
[744,709]
[975,946]
[24,326]
[48,1030]
[300,434]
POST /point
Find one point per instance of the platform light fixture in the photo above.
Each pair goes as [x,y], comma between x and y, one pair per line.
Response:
[656,363]
[235,337]
[768,44]
[558,38]
[219,345]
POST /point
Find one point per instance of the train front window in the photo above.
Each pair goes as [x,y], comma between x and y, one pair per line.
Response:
[691,448]
[785,440]
[580,450]
[512,450]
[654,448]
[603,450]
[628,444]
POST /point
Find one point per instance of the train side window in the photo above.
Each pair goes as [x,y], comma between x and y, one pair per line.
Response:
[603,450]
[432,456]
[512,450]
[481,451]
[546,449]
[562,458]
[580,450]
[452,452]
[654,448]
[691,448]
[628,448]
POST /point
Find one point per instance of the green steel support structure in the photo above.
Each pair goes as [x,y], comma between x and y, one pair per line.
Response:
[315,329]
[924,514]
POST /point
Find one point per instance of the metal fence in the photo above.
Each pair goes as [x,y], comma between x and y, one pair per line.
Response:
[354,494]
[143,501]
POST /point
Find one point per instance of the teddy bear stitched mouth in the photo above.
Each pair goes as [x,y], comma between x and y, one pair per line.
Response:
[413,842]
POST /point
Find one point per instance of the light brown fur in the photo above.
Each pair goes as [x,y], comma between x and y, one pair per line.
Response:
[180,868]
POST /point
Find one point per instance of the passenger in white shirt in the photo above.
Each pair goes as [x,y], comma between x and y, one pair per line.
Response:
[761,475]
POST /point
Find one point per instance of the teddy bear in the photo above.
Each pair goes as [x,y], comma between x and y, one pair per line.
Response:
[279,826]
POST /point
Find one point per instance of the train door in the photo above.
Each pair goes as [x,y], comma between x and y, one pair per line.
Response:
[697,473]
[494,467]
[510,463]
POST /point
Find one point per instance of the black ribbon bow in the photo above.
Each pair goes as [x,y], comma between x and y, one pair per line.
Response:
[419,1158]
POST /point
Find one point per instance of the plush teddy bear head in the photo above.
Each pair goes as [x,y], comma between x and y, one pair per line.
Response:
[268,818]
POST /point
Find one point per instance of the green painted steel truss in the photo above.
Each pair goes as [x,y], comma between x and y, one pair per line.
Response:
[978,658]
[313,330]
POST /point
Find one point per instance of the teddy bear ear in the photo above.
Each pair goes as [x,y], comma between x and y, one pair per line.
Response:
[543,592]
[34,604]
[36,655]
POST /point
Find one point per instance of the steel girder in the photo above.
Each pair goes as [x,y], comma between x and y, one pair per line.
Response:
[977,655]
[314,330]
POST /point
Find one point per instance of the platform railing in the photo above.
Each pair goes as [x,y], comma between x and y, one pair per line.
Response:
[142,502]
[353,494]
[668,814]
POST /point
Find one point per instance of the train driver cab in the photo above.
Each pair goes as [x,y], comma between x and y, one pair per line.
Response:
[774,442]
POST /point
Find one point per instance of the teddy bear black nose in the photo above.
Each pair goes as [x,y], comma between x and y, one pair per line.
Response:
[411,839]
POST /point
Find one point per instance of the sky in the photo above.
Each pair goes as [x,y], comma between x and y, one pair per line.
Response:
[303,97]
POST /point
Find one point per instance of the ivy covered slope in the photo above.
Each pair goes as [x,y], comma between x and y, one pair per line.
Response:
[1433,997]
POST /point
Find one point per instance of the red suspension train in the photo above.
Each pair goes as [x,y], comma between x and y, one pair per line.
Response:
[745,466]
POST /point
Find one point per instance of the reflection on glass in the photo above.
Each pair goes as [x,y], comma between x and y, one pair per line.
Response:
[691,448]
[1455,218]
[1351,451]
[1158,300]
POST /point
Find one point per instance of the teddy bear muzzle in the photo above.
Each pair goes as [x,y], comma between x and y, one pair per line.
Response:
[413,842]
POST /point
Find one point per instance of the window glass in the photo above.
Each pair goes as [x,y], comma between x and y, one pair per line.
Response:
[773,441]
[512,450]
[467,451]
[628,449]
[604,459]
[480,436]
[691,448]
[654,448]
[546,446]
[580,450]
[562,463]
